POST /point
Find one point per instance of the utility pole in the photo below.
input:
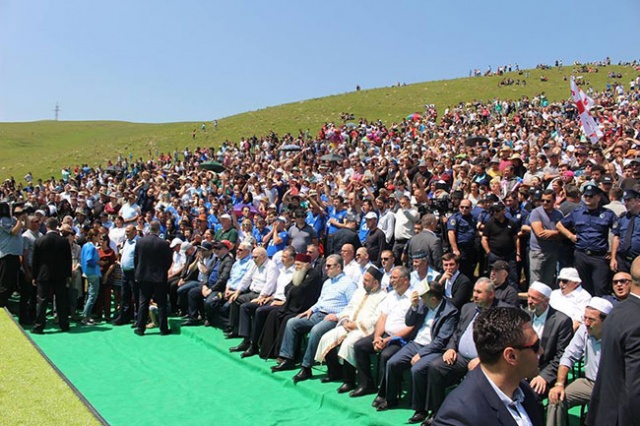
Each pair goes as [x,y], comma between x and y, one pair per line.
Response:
[57,110]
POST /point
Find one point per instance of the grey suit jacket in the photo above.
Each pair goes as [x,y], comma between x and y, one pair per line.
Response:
[557,333]
[444,324]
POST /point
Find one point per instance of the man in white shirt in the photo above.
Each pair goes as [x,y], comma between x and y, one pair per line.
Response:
[406,217]
[389,332]
[251,331]
[570,298]
[256,286]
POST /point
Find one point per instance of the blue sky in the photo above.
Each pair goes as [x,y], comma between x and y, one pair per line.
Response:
[166,61]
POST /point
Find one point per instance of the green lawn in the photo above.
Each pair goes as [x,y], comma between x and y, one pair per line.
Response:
[31,393]
[43,147]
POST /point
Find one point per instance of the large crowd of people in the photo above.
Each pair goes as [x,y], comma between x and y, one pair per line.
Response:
[411,241]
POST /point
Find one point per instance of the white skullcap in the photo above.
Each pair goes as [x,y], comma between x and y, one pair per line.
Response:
[541,288]
[600,304]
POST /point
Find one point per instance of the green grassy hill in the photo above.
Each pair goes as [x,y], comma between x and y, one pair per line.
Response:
[43,147]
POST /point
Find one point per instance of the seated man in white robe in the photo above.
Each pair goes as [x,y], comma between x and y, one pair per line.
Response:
[357,320]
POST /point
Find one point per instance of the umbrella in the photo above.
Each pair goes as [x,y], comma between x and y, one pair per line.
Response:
[237,209]
[415,116]
[476,140]
[351,125]
[290,148]
[214,166]
[332,157]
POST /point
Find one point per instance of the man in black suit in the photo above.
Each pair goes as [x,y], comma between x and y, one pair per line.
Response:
[51,267]
[457,286]
[461,355]
[616,395]
[555,331]
[494,394]
[152,261]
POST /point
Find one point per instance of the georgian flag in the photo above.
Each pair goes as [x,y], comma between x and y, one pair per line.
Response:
[584,103]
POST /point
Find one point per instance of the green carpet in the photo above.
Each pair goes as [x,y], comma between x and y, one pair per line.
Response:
[190,378]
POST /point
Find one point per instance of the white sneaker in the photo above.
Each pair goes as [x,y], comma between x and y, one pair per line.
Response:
[87,321]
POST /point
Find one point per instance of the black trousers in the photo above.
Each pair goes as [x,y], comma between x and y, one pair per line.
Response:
[157,291]
[9,271]
[130,291]
[594,272]
[234,308]
[468,260]
[363,350]
[441,375]
[46,291]
[28,300]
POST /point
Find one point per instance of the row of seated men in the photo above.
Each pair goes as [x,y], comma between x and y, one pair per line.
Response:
[419,321]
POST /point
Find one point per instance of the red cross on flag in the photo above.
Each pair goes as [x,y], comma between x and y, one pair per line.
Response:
[584,103]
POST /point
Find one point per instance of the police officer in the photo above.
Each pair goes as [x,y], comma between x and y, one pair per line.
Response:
[519,216]
[588,227]
[628,233]
[461,233]
[499,241]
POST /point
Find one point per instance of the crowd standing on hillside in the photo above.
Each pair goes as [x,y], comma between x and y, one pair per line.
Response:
[372,238]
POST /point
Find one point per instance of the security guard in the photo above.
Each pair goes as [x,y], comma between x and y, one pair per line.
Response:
[519,216]
[592,224]
[628,233]
[461,233]
[500,242]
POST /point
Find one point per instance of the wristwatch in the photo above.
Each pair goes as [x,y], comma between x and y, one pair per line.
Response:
[559,384]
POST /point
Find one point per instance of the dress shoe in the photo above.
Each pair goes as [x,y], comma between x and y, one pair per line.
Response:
[37,331]
[166,332]
[230,335]
[385,405]
[362,390]
[429,420]
[64,329]
[139,332]
[377,401]
[240,348]
[346,387]
[249,352]
[190,323]
[285,365]
[418,417]
[303,374]
[329,379]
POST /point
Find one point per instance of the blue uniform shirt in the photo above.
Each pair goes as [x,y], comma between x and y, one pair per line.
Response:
[463,226]
[624,222]
[591,227]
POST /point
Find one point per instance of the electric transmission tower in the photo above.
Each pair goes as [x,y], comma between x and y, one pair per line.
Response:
[56,110]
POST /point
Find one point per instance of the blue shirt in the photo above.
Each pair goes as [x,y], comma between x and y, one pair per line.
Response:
[238,270]
[273,248]
[127,254]
[337,215]
[336,294]
[317,222]
[463,226]
[89,260]
[10,244]
[591,227]
[624,223]
[517,216]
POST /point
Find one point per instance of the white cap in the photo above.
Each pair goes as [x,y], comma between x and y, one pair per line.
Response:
[600,304]
[175,242]
[225,216]
[570,274]
[370,215]
[541,288]
[185,246]
[571,148]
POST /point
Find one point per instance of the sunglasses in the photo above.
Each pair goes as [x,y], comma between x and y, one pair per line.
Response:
[621,281]
[547,201]
[562,280]
[385,258]
[535,346]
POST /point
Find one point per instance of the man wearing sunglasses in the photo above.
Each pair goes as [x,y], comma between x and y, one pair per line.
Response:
[545,239]
[628,233]
[570,298]
[588,227]
[621,284]
[494,393]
